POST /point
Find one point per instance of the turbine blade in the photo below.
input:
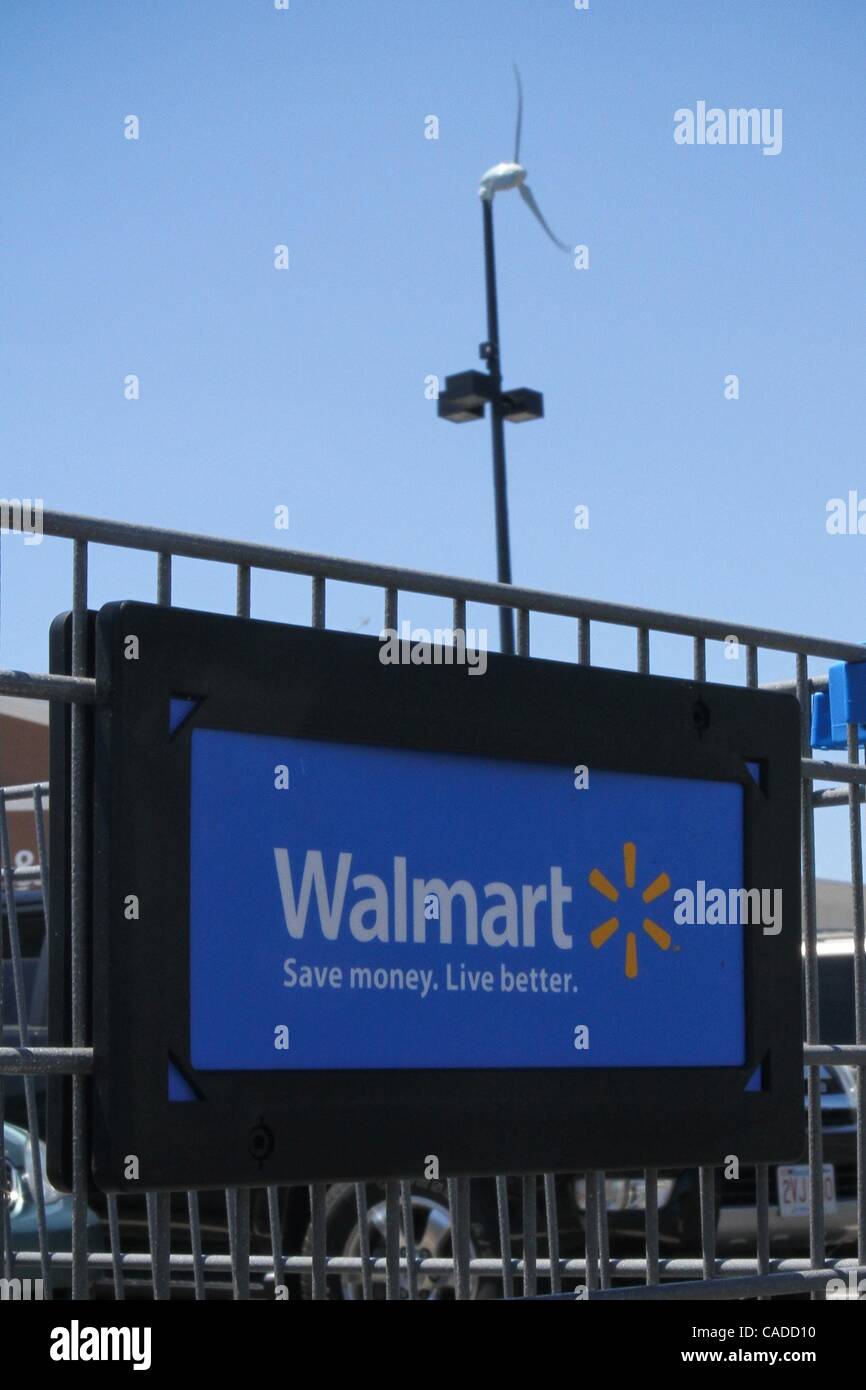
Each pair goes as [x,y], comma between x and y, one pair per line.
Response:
[519,115]
[530,202]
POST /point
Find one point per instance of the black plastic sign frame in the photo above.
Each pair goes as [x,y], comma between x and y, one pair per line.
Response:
[256,1127]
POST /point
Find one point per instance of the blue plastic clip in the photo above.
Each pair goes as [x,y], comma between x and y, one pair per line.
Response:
[843,703]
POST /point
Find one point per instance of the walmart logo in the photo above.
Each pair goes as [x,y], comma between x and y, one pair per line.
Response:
[406,908]
[603,933]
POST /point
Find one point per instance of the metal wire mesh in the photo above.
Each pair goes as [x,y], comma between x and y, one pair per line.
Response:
[459,1239]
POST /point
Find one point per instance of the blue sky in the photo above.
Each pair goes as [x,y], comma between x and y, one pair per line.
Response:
[306,387]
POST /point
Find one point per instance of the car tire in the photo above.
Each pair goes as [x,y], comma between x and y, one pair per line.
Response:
[432,1229]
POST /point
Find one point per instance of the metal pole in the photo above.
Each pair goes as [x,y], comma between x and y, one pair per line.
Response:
[494,367]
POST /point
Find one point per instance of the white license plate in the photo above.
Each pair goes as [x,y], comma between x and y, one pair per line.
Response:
[793,1190]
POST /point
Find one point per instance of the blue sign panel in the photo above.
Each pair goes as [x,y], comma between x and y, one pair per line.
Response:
[360,907]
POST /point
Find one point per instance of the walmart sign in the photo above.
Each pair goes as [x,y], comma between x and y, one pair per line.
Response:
[349,914]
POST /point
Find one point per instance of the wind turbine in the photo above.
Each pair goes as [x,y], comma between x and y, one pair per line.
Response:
[467,393]
[503,177]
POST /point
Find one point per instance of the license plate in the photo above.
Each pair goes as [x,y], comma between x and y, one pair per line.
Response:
[793,1190]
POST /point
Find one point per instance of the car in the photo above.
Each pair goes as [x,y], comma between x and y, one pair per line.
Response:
[788,1190]
[19,1192]
[789,1184]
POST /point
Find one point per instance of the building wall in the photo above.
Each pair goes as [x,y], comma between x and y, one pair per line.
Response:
[23,758]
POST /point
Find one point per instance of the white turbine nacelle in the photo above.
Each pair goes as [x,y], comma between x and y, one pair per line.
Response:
[503,177]
[500,178]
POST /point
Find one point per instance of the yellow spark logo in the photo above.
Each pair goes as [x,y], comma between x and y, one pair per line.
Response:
[654,890]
